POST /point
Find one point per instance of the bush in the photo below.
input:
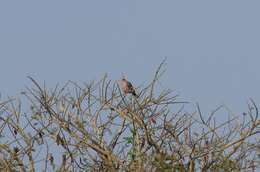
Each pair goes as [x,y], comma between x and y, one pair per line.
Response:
[96,127]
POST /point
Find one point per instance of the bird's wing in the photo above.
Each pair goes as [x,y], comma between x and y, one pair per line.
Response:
[129,85]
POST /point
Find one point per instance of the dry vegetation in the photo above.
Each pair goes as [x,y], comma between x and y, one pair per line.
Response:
[95,127]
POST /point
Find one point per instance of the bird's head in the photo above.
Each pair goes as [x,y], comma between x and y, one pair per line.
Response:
[124,77]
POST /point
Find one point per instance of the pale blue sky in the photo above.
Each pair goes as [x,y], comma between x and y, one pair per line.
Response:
[213,47]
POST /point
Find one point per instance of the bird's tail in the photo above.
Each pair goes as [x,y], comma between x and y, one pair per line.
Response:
[134,94]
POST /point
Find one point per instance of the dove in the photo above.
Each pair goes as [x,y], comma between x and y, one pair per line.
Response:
[127,87]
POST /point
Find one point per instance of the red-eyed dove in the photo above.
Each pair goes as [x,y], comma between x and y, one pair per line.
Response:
[127,87]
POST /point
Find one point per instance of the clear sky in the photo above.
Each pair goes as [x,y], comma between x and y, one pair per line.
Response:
[213,47]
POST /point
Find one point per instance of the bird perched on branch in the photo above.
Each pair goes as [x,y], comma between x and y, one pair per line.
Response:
[127,87]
